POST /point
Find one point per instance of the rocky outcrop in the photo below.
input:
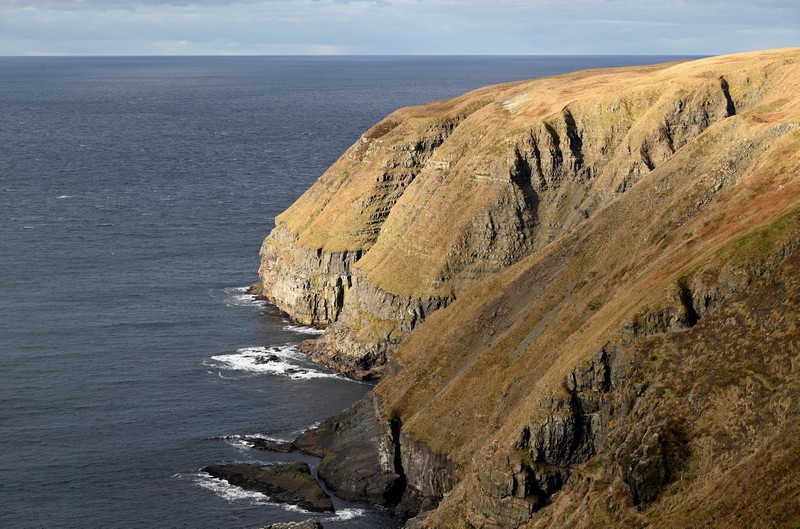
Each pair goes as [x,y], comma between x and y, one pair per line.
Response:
[429,475]
[613,412]
[611,259]
[606,407]
[369,459]
[357,455]
[572,427]
[309,285]
[434,198]
[269,445]
[263,443]
[290,483]
[370,325]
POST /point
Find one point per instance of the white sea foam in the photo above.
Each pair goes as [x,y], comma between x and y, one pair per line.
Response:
[271,438]
[62,197]
[232,493]
[293,508]
[223,377]
[284,360]
[346,514]
[302,329]
[238,297]
[303,430]
[243,443]
[229,492]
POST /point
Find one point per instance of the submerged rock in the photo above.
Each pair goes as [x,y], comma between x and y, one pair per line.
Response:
[290,483]
[266,359]
[270,445]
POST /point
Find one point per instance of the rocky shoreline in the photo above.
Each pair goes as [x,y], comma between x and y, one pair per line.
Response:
[291,483]
[573,245]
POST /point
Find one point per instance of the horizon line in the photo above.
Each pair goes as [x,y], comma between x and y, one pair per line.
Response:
[355,55]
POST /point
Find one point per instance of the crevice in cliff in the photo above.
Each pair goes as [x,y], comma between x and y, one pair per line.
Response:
[395,495]
[556,155]
[644,153]
[730,107]
[687,300]
[537,168]
[575,140]
[522,174]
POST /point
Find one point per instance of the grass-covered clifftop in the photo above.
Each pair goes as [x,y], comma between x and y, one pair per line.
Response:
[606,265]
[434,198]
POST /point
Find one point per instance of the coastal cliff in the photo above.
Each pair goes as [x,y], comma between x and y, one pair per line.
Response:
[582,295]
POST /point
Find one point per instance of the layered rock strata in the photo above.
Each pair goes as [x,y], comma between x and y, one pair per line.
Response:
[434,198]
[615,328]
[366,457]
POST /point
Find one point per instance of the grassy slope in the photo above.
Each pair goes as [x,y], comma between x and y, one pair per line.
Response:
[615,109]
[733,380]
[716,212]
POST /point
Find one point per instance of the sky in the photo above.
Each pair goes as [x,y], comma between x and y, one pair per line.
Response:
[396,27]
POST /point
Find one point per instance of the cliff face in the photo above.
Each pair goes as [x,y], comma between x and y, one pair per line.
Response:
[606,265]
[434,198]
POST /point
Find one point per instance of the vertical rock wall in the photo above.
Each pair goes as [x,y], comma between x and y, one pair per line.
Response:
[508,402]
[435,198]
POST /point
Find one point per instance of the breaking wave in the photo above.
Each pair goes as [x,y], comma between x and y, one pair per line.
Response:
[283,360]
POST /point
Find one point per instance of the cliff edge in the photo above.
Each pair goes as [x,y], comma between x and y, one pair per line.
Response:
[606,264]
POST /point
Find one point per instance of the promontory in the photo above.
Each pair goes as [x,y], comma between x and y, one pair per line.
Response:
[581,295]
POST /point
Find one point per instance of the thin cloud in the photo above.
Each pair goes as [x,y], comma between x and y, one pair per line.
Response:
[394,26]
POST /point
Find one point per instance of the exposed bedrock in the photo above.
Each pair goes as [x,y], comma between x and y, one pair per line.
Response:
[604,409]
[356,462]
[582,293]
[371,324]
[610,411]
[309,285]
[290,483]
[434,198]
[369,459]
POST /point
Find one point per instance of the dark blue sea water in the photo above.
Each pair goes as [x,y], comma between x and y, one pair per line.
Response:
[134,195]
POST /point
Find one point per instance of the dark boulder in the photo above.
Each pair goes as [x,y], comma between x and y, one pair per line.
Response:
[290,483]
[270,445]
[356,463]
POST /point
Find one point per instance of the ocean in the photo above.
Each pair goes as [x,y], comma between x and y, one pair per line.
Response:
[134,196]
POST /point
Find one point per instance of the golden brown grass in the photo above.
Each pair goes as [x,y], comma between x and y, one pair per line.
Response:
[616,109]
[720,209]
[717,212]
